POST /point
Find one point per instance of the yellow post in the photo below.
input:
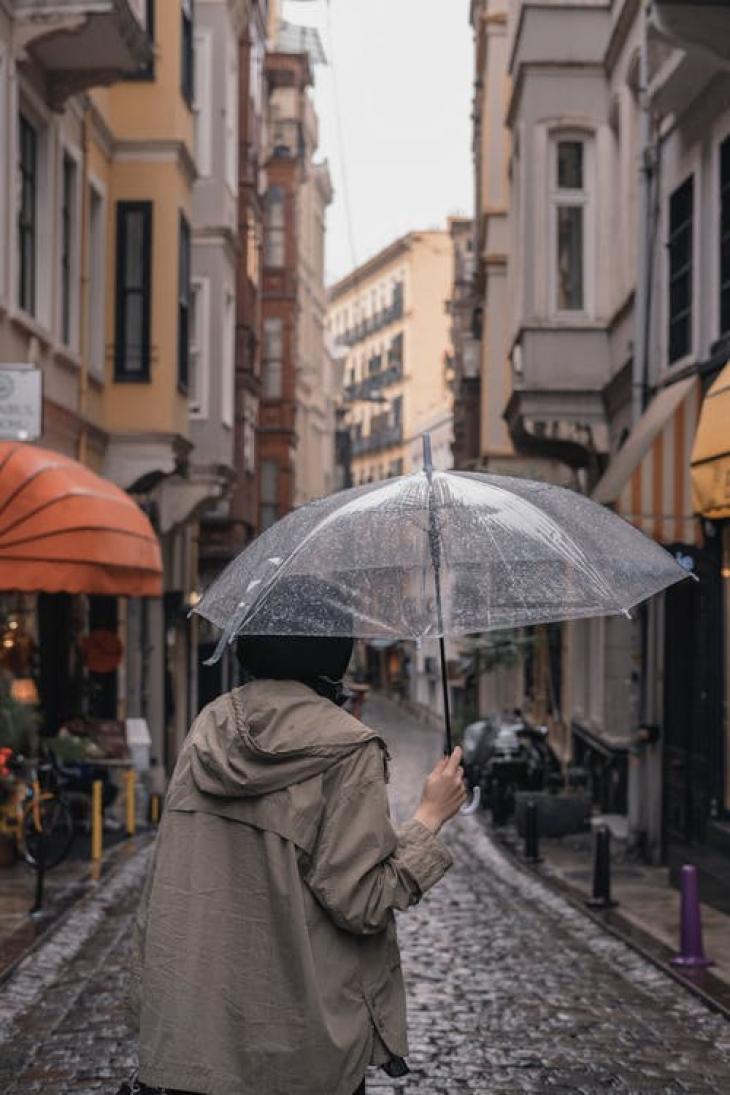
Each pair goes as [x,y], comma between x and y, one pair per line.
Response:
[155,809]
[96,820]
[131,779]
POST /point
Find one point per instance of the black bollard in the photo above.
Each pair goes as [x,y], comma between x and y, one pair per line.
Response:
[40,873]
[602,872]
[532,835]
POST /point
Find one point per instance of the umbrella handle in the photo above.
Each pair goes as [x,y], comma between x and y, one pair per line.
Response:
[473,806]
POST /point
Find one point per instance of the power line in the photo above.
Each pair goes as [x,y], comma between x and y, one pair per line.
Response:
[341,142]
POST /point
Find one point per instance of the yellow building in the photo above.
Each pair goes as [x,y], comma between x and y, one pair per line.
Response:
[149,163]
[389,318]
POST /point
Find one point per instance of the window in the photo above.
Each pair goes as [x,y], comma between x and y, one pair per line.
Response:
[96,316]
[273,358]
[27,215]
[198,342]
[183,306]
[228,370]
[187,60]
[231,120]
[68,232]
[269,493]
[203,105]
[274,238]
[681,211]
[725,236]
[395,353]
[133,291]
[569,200]
[397,299]
[249,433]
[374,363]
[147,72]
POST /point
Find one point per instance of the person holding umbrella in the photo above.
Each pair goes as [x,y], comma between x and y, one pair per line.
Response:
[266,948]
[266,958]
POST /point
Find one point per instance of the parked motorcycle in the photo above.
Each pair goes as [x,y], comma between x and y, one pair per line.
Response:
[504,754]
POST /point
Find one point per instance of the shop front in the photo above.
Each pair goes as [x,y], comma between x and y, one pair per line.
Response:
[73,548]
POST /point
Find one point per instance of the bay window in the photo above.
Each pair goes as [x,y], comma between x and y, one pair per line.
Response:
[273,359]
[274,234]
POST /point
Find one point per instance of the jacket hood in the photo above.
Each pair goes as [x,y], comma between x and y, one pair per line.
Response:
[268,735]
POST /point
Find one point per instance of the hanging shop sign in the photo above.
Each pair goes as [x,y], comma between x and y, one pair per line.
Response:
[21,403]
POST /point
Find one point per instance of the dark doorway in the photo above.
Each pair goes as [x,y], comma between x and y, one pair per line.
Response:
[103,686]
[56,654]
[693,738]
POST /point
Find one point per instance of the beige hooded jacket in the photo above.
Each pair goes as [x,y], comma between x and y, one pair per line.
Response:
[265,952]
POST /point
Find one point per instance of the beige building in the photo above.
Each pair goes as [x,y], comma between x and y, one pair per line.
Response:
[317,381]
[390,316]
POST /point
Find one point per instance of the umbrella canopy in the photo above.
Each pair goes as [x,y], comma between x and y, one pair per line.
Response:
[505,552]
[65,529]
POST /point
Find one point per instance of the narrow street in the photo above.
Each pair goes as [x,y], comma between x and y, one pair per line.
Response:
[510,989]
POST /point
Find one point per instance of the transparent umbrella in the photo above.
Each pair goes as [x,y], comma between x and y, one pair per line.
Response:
[436,554]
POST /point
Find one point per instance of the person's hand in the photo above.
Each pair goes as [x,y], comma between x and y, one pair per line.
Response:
[443,793]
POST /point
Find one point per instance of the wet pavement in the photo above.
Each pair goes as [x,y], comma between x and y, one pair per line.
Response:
[510,988]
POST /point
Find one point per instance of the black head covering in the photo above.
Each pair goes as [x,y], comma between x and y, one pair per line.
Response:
[319,661]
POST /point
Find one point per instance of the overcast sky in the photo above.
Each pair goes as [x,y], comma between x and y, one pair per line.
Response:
[403,74]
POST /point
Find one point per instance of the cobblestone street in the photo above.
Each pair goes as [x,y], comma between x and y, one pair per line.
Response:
[510,988]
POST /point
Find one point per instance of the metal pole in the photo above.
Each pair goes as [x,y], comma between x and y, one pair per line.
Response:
[131,801]
[40,868]
[96,820]
[644,271]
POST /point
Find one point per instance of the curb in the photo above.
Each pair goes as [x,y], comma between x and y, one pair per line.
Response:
[36,930]
[706,986]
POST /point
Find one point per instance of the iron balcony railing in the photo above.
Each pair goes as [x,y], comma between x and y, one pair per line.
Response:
[372,324]
[378,440]
[371,385]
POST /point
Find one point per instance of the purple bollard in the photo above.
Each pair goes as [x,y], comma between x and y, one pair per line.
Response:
[693,953]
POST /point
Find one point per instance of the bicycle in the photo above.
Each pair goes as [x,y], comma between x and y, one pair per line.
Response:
[40,821]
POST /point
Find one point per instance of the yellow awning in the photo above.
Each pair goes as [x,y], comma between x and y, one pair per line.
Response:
[711,451]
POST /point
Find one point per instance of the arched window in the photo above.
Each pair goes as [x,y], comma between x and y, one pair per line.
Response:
[274,238]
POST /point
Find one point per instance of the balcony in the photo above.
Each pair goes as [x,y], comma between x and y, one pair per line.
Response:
[369,387]
[384,438]
[373,323]
[82,45]
[703,26]
[286,140]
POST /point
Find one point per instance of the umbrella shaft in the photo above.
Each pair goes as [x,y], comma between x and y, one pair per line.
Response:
[447,705]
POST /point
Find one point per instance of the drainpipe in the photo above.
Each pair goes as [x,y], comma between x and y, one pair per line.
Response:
[644,257]
[83,442]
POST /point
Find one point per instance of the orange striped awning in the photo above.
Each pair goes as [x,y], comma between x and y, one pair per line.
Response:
[648,480]
[64,529]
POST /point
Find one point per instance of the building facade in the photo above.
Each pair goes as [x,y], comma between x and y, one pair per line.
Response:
[390,315]
[57,208]
[118,263]
[317,373]
[296,419]
[618,126]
